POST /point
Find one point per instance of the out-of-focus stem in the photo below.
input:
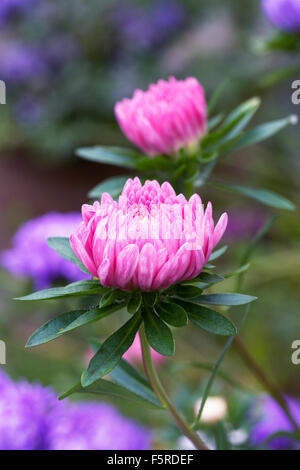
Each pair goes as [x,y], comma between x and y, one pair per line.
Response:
[268,384]
[163,397]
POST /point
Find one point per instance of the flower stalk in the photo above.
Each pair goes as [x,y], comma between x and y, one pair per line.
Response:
[259,373]
[163,397]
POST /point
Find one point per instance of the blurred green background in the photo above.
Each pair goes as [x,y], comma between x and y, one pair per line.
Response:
[78,59]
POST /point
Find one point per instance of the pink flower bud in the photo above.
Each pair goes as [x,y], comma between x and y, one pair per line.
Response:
[149,239]
[168,116]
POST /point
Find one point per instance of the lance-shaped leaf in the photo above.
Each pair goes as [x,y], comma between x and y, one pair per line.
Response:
[228,299]
[204,280]
[63,248]
[269,198]
[111,351]
[207,319]
[216,254]
[134,303]
[127,376]
[158,333]
[113,186]
[187,291]
[108,388]
[264,131]
[213,101]
[109,155]
[172,313]
[76,289]
[69,321]
[241,116]
[233,125]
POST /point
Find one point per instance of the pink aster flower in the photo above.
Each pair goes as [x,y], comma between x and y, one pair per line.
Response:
[168,116]
[149,239]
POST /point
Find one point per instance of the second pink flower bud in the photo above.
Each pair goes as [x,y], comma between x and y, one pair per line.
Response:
[169,116]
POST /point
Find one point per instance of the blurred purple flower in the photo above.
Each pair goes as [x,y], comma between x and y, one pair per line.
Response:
[20,62]
[11,8]
[271,419]
[147,28]
[285,14]
[95,427]
[23,415]
[60,49]
[243,225]
[30,255]
[32,418]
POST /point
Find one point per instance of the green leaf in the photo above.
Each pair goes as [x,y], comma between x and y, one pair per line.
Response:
[217,95]
[241,116]
[69,321]
[263,132]
[262,195]
[238,271]
[113,186]
[221,437]
[150,298]
[216,369]
[228,299]
[216,254]
[278,41]
[111,351]
[109,298]
[134,303]
[158,333]
[126,375]
[172,314]
[252,247]
[204,280]
[215,121]
[233,125]
[208,320]
[63,248]
[158,163]
[108,388]
[187,291]
[109,155]
[76,289]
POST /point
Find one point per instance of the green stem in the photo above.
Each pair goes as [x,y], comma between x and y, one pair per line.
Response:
[238,344]
[259,373]
[162,394]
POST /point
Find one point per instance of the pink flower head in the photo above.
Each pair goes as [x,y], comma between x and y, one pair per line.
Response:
[168,116]
[149,239]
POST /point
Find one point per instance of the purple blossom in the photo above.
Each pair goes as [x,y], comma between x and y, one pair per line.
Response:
[11,8]
[285,14]
[95,427]
[147,28]
[243,224]
[61,49]
[30,255]
[23,415]
[271,419]
[32,418]
[21,63]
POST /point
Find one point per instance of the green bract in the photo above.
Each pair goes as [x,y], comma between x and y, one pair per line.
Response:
[156,310]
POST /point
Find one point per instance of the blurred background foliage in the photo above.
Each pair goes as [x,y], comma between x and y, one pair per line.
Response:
[65,65]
